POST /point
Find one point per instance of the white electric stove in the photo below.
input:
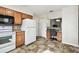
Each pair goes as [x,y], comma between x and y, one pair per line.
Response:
[7,39]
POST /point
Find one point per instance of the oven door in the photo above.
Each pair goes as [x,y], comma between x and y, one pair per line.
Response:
[5,39]
[9,43]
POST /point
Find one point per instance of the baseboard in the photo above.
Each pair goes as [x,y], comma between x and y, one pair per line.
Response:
[70,44]
[40,37]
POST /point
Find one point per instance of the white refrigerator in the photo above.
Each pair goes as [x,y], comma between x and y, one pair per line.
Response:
[29,26]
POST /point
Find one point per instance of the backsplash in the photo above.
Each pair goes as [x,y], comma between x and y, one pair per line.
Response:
[17,27]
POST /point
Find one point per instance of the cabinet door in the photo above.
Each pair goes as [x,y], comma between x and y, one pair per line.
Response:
[2,10]
[9,12]
[17,16]
[59,36]
[19,39]
[25,16]
[29,16]
[23,37]
[48,35]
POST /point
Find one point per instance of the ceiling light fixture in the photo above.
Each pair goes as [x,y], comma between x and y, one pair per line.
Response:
[57,20]
[51,11]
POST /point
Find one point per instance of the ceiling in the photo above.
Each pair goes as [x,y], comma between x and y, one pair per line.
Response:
[37,9]
[44,9]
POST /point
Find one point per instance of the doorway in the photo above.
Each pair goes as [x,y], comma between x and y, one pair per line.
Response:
[55,29]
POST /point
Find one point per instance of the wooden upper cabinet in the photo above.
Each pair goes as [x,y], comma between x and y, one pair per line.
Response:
[2,10]
[25,16]
[29,16]
[6,11]
[17,18]
[9,12]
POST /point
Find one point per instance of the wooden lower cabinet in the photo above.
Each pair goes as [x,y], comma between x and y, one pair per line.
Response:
[20,38]
[59,36]
[48,35]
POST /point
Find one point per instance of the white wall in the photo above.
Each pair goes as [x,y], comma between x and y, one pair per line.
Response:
[43,21]
[35,17]
[55,14]
[41,25]
[70,25]
[78,24]
[42,29]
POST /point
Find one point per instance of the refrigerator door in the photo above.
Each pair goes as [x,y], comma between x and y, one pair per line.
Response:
[30,35]
[29,23]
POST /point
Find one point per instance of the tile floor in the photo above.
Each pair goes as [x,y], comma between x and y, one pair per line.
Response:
[43,46]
